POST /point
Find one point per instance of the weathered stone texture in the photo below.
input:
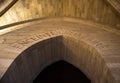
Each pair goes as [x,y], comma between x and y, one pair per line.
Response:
[30,49]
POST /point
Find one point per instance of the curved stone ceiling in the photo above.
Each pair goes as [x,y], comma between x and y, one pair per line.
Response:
[95,10]
[26,51]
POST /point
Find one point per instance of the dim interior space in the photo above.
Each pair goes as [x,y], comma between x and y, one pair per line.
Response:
[60,41]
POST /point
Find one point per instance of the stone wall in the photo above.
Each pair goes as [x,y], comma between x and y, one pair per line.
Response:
[26,51]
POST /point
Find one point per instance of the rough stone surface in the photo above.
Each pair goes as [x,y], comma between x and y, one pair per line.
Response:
[25,52]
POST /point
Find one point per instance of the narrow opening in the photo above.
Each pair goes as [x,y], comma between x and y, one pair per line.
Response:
[61,72]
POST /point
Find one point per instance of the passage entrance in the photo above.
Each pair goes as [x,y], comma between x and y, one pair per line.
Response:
[61,72]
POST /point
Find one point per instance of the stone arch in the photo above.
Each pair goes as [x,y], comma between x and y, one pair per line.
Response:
[61,47]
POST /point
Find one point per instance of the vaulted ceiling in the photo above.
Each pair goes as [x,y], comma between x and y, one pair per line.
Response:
[94,10]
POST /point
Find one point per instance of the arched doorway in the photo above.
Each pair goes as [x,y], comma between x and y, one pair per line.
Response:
[38,56]
[39,51]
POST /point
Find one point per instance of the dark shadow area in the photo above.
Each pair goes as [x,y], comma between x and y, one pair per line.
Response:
[61,72]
